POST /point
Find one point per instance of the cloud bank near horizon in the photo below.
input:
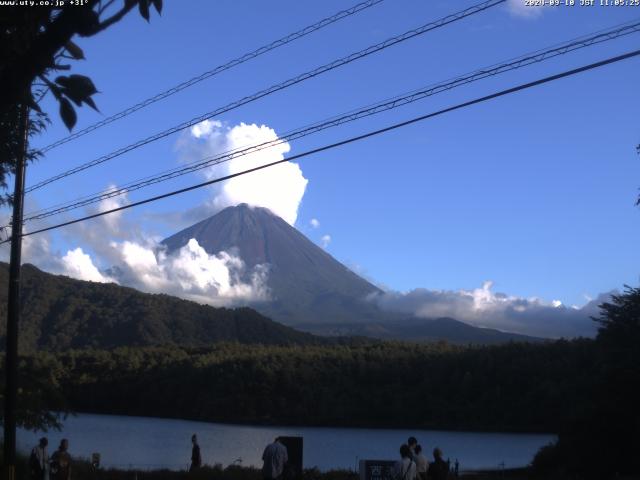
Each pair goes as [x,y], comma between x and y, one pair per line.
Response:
[482,307]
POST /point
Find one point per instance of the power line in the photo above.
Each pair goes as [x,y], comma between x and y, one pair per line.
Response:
[373,133]
[277,87]
[219,69]
[518,62]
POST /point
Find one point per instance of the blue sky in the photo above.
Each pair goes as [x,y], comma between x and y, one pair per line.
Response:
[534,192]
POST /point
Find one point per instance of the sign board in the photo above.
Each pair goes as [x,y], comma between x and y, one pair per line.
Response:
[376,469]
[293,469]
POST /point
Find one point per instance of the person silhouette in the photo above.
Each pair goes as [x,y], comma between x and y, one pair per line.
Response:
[61,462]
[196,458]
[39,460]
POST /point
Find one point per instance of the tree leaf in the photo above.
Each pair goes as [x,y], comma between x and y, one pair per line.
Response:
[144,9]
[70,94]
[80,86]
[62,80]
[74,50]
[158,5]
[89,101]
[32,103]
[55,90]
[90,21]
[68,113]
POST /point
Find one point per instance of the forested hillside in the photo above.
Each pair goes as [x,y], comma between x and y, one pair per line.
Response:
[60,313]
[517,387]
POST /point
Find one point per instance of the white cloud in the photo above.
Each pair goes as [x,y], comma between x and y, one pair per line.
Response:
[204,128]
[190,272]
[78,264]
[111,223]
[314,222]
[325,241]
[485,308]
[279,188]
[522,9]
[136,259]
[36,249]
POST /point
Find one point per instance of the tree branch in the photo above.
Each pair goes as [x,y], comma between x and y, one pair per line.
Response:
[115,18]
[39,56]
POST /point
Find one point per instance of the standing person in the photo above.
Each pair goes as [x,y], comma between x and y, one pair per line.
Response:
[405,468]
[196,458]
[438,470]
[61,462]
[275,456]
[39,460]
[422,465]
[412,442]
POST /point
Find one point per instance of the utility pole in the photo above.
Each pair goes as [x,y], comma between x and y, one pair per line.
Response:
[13,308]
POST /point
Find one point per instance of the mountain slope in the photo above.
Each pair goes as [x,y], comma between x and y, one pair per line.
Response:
[312,291]
[59,313]
[307,284]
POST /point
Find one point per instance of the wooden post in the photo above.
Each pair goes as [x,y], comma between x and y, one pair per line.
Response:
[13,307]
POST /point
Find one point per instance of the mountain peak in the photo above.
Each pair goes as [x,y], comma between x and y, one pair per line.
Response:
[307,284]
[244,207]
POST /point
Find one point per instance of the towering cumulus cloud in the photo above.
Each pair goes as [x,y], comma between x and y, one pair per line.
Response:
[279,188]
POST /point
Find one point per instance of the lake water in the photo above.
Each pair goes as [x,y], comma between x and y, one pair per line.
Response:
[146,443]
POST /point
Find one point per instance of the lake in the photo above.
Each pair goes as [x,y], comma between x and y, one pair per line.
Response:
[147,443]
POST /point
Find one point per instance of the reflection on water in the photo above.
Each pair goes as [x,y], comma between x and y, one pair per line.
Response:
[141,442]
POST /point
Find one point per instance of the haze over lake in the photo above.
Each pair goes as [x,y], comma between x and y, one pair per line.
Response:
[147,443]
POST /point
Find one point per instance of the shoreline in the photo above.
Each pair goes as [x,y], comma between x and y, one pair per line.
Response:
[325,448]
[276,424]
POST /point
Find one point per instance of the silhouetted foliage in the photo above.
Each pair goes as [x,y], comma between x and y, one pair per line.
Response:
[35,43]
[41,404]
[10,144]
[602,438]
[513,387]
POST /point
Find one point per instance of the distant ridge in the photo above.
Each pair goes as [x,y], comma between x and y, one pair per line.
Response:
[423,330]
